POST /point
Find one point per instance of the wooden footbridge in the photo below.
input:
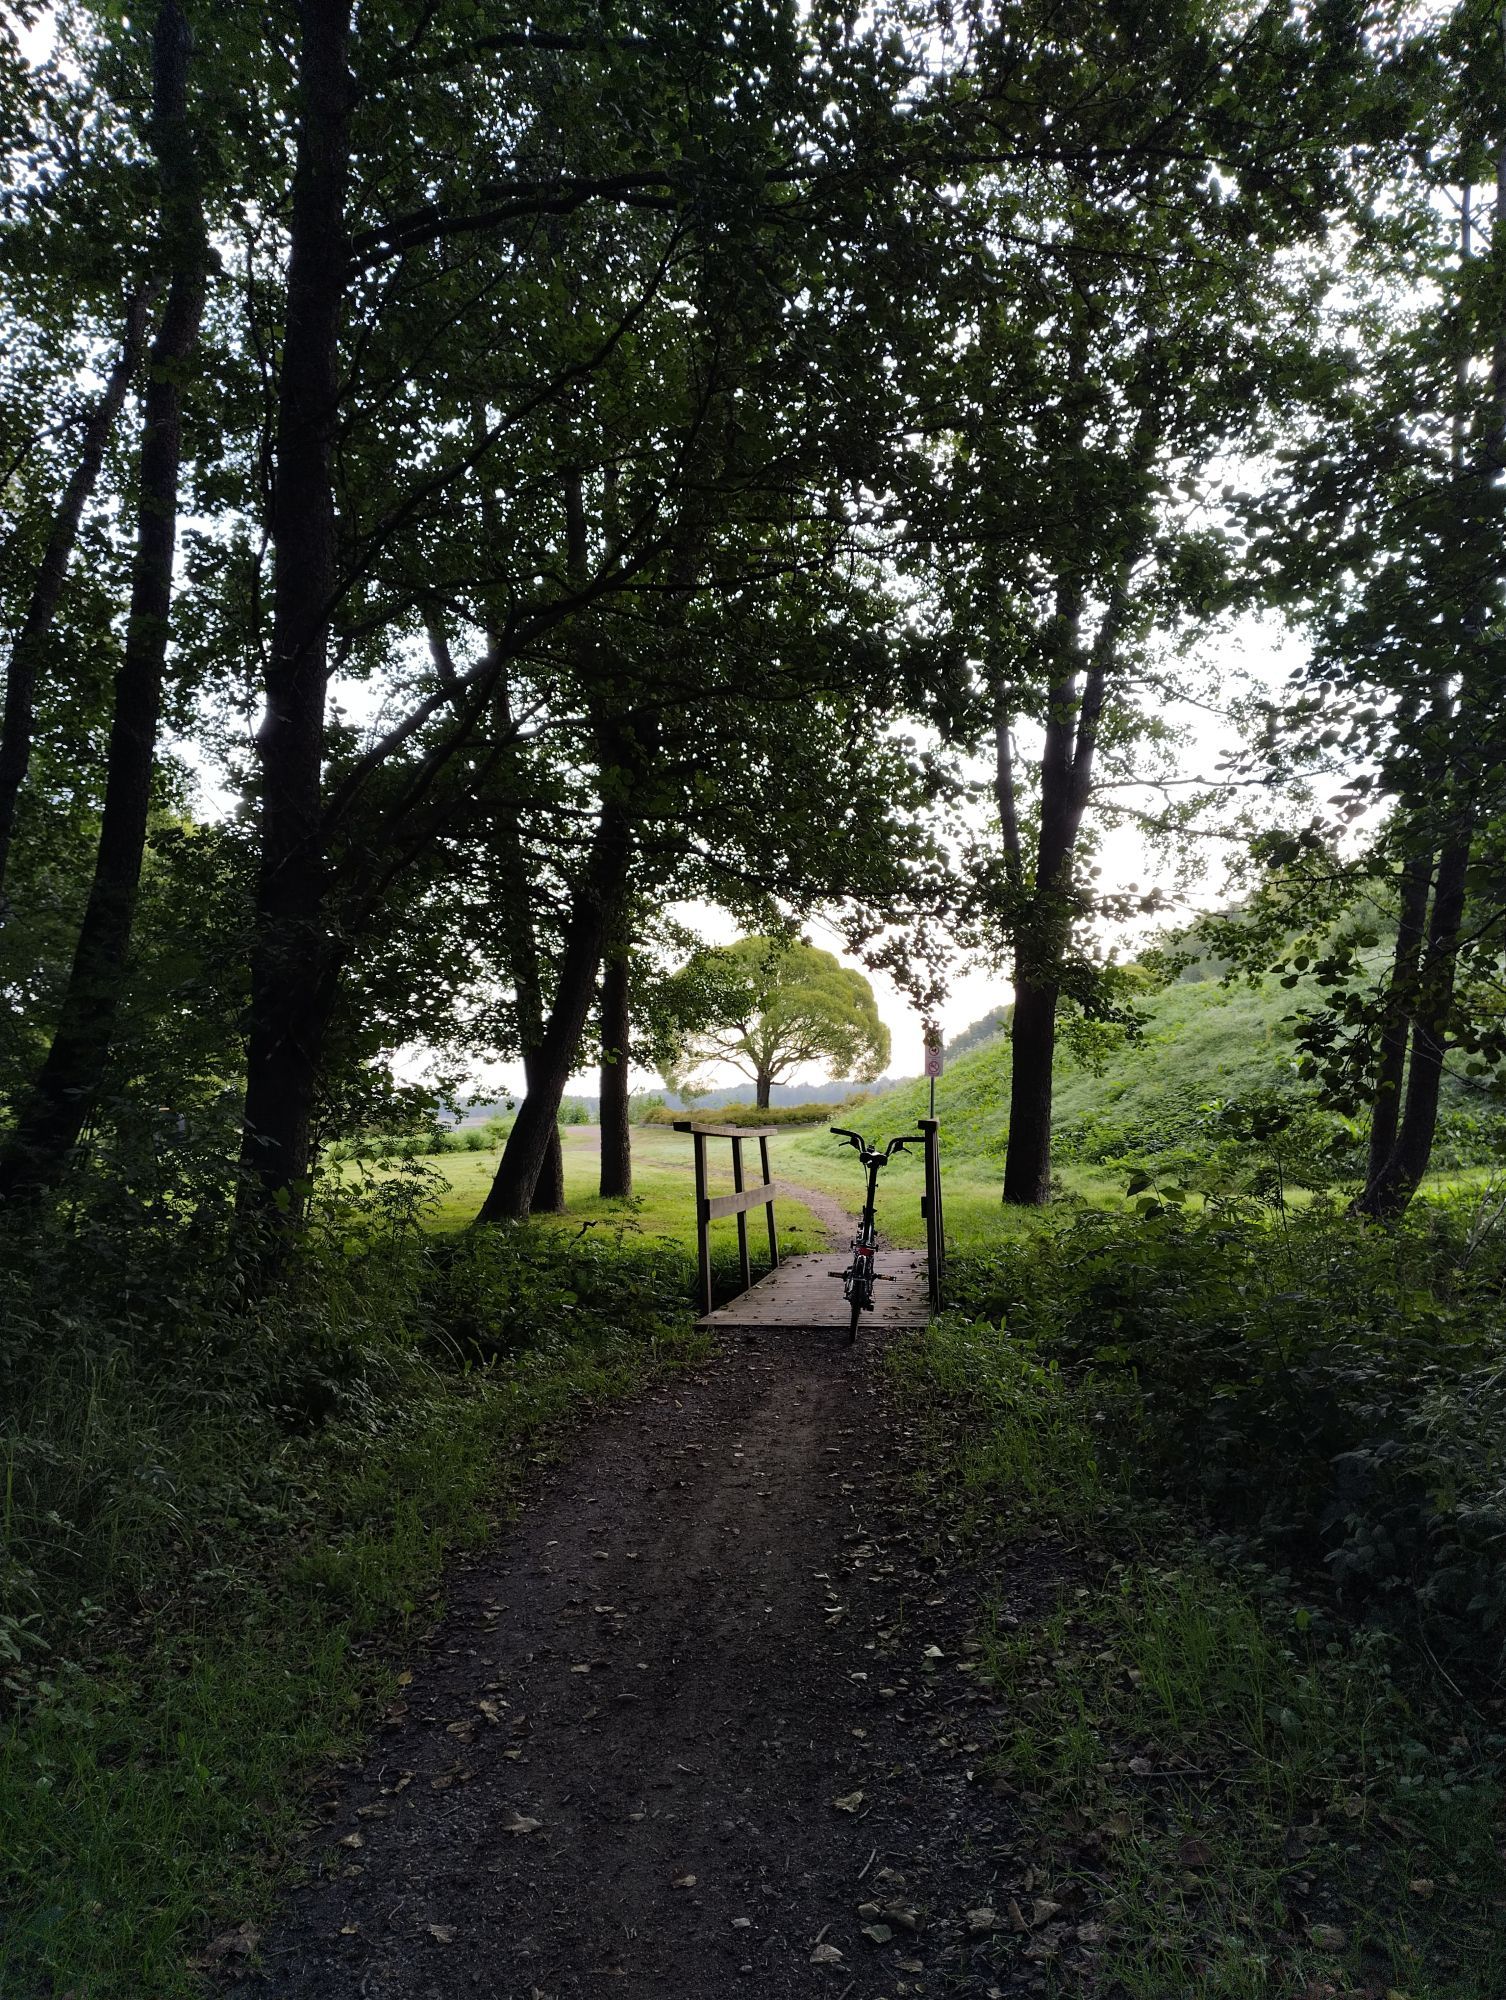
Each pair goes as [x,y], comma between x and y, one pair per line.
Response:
[806,1291]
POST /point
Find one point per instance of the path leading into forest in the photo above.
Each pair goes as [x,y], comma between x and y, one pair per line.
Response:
[706,1721]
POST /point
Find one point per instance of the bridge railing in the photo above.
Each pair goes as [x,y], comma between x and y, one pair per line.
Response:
[710,1207]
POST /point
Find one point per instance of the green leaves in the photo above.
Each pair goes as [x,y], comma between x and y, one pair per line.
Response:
[783,1003]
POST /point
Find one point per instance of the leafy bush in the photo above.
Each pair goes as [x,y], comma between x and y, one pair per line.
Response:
[489,1137]
[491,1292]
[210,1490]
[1325,1389]
[153,1395]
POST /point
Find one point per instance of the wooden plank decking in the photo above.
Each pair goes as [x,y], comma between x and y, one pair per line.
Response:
[807,1291]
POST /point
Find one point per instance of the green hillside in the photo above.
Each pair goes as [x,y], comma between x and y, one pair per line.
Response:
[1204,1046]
[1203,1042]
[1174,1099]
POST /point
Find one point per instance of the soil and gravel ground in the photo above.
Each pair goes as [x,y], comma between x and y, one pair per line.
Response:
[704,1722]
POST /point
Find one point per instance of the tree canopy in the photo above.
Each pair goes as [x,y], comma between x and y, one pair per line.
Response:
[779,1004]
[530,475]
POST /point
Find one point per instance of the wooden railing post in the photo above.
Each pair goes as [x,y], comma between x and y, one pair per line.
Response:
[711,1208]
[768,1181]
[702,1223]
[744,1268]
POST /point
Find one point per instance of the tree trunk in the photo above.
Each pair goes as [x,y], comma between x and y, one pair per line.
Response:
[528,991]
[616,1133]
[762,1090]
[522,954]
[1389,1190]
[291,960]
[27,654]
[597,904]
[1394,1179]
[1073,714]
[67,1088]
[1079,691]
[1411,925]
[1027,1164]
[549,1188]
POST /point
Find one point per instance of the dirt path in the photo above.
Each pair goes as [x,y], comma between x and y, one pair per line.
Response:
[706,1706]
[838,1222]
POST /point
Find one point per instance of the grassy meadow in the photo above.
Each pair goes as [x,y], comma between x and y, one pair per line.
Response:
[660,1209]
[1157,1103]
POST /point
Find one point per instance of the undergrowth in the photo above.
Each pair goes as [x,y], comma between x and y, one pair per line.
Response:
[1235,1775]
[222,1512]
[1330,1395]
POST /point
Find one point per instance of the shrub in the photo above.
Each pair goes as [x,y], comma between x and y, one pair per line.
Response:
[1328,1391]
[211,1489]
[149,1388]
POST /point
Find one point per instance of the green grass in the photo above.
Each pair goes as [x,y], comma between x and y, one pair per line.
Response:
[1146,1099]
[1201,1041]
[223,1610]
[204,1594]
[1221,1795]
[662,1205]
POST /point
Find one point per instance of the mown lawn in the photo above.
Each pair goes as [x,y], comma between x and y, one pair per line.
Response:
[662,1206]
[663,1199]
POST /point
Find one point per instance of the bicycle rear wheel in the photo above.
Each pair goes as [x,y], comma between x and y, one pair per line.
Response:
[859,1285]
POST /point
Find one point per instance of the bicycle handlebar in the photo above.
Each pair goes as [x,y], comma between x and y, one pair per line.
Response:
[868,1152]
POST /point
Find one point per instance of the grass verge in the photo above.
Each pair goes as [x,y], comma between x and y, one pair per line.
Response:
[1219,1791]
[218,1582]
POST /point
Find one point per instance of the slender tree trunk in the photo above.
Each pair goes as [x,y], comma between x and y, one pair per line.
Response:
[1411,925]
[291,984]
[1392,1187]
[1066,766]
[1079,691]
[762,1090]
[1004,786]
[522,954]
[1027,1164]
[1396,1178]
[597,905]
[29,651]
[549,1188]
[66,1090]
[616,1133]
[1027,1170]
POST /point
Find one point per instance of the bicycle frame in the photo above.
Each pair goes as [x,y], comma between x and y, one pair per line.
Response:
[858,1278]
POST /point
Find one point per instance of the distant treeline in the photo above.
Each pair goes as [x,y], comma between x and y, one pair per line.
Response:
[815,1112]
[643,1104]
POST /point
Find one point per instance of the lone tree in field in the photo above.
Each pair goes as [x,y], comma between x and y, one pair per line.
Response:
[782,1004]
